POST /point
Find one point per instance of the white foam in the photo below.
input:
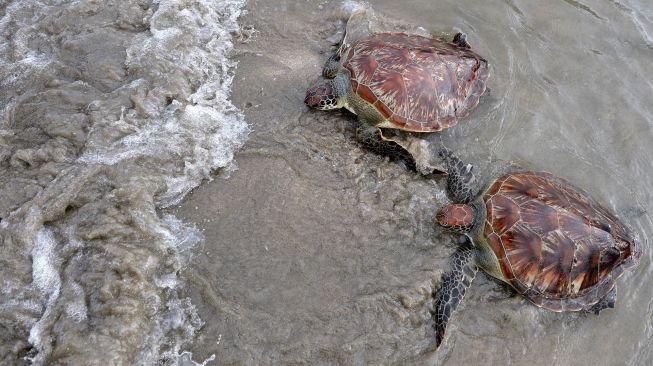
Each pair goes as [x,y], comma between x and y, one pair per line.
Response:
[76,309]
[186,359]
[202,128]
[44,268]
[46,278]
[181,238]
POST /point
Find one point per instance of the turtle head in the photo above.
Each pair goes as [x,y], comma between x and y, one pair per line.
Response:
[329,93]
[324,96]
[456,217]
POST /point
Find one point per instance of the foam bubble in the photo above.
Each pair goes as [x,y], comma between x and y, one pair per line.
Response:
[44,259]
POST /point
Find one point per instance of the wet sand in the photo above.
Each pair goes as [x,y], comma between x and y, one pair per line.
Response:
[319,252]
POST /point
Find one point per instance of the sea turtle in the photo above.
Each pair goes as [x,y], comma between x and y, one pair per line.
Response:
[401,81]
[547,239]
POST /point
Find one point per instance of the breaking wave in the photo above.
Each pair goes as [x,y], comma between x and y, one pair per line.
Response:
[110,111]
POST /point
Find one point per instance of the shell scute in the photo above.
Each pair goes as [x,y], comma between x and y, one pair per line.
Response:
[368,96]
[573,226]
[523,250]
[399,120]
[385,111]
[413,125]
[557,259]
[365,66]
[422,100]
[390,89]
[541,217]
[394,58]
[506,213]
[495,243]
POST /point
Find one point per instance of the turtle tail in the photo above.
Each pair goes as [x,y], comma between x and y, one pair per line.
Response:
[454,285]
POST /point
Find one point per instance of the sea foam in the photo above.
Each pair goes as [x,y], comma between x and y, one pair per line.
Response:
[110,111]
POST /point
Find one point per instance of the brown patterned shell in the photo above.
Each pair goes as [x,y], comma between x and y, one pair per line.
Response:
[555,244]
[418,83]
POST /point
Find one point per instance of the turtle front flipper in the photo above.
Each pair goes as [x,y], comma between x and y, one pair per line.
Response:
[452,291]
[460,179]
[331,67]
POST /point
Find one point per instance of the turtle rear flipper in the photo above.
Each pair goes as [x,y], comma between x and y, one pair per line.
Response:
[460,40]
[452,292]
[606,303]
[371,138]
[415,152]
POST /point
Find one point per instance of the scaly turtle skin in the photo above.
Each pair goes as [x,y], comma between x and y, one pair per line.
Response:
[547,239]
[408,82]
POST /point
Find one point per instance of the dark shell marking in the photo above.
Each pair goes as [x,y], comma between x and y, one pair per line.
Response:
[419,83]
[555,244]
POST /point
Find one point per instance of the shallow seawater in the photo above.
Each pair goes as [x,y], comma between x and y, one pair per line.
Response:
[111,110]
[319,252]
[310,250]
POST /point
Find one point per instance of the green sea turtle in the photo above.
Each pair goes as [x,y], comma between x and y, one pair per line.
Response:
[547,239]
[401,81]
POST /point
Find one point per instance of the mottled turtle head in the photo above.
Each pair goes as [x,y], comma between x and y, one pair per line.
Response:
[323,96]
[456,217]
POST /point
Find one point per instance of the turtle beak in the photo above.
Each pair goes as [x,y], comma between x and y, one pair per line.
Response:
[440,217]
[312,99]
